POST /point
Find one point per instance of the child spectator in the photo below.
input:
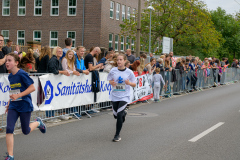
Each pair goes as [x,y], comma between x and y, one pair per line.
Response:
[157,79]
[68,63]
[28,62]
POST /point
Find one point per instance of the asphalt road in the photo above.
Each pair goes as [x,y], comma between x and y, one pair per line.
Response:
[200,126]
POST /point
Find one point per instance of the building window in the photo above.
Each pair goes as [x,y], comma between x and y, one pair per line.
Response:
[132,45]
[133,14]
[116,42]
[21,7]
[117,11]
[128,13]
[122,43]
[111,9]
[72,35]
[123,12]
[53,39]
[37,36]
[6,8]
[5,34]
[127,43]
[54,8]
[37,7]
[21,38]
[72,7]
[110,40]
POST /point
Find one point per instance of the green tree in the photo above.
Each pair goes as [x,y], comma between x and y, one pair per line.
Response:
[187,22]
[229,27]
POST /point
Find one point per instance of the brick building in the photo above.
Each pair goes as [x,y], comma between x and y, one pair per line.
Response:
[87,22]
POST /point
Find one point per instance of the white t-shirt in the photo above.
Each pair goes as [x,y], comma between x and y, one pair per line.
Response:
[125,74]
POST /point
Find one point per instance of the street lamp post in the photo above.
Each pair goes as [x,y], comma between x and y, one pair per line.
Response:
[150,30]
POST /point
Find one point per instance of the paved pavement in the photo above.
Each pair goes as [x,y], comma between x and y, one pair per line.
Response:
[200,126]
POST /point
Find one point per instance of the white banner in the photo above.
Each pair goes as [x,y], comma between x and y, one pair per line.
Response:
[143,90]
[4,93]
[105,88]
[63,92]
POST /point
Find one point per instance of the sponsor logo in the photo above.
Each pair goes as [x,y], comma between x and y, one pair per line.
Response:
[48,91]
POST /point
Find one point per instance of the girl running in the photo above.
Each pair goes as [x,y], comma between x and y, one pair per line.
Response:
[121,78]
[20,103]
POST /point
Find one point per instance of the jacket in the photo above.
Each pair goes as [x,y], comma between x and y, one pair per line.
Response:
[54,65]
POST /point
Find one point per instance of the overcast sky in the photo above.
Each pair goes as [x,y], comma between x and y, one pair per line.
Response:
[231,6]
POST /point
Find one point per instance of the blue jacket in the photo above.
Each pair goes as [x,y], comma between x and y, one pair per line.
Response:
[82,66]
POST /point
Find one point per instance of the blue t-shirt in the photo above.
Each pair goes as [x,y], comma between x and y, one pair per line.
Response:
[22,81]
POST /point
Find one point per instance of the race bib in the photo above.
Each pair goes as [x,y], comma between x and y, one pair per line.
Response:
[119,87]
[16,91]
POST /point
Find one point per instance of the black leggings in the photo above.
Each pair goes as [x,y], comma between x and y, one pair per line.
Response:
[119,114]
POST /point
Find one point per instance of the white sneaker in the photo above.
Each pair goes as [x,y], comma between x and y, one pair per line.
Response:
[54,120]
[94,110]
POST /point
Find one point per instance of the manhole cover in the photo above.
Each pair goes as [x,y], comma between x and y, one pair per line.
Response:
[136,114]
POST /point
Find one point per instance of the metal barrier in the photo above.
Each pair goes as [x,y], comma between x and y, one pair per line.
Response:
[176,82]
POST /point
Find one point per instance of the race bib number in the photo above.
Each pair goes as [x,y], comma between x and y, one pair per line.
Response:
[119,87]
[16,91]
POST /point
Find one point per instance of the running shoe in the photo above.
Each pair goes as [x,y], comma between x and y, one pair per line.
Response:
[116,138]
[9,157]
[42,127]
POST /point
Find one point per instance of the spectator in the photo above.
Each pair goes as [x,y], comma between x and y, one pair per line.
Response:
[28,62]
[151,66]
[163,58]
[110,63]
[8,48]
[142,55]
[3,68]
[220,73]
[171,56]
[89,59]
[159,64]
[151,56]
[107,56]
[134,66]
[127,64]
[54,64]
[43,59]
[130,57]
[68,63]
[79,61]
[142,58]
[167,65]
[68,43]
[235,63]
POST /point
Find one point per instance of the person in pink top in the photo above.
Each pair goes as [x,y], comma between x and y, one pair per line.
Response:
[68,63]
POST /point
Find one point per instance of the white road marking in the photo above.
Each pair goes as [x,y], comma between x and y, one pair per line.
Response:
[194,139]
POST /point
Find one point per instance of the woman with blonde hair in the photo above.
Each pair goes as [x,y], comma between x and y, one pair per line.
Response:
[68,63]
[43,59]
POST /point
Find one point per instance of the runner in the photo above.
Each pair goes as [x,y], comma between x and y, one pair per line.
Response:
[121,78]
[20,103]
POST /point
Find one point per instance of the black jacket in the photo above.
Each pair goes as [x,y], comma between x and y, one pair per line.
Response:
[54,65]
[42,65]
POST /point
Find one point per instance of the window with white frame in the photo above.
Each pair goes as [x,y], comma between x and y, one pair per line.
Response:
[123,12]
[132,45]
[21,37]
[53,39]
[54,7]
[111,9]
[122,43]
[5,34]
[116,42]
[37,35]
[72,7]
[21,7]
[37,7]
[133,14]
[117,11]
[128,13]
[110,40]
[72,35]
[6,8]
[127,43]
